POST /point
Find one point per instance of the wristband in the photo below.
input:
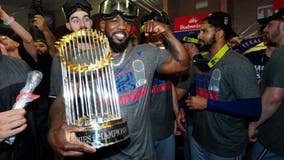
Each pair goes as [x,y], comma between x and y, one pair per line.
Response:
[9,22]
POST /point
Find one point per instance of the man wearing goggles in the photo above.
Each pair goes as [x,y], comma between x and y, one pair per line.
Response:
[125,8]
[134,68]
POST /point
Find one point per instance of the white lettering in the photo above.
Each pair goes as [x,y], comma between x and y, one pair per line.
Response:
[188,27]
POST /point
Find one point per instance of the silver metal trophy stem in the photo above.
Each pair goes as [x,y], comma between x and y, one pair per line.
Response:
[89,88]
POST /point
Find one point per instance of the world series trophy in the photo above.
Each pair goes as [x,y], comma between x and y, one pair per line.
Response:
[89,88]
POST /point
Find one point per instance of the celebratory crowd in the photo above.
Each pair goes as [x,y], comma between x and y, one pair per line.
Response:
[227,105]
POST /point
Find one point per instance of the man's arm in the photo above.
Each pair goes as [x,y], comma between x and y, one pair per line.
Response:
[61,137]
[50,38]
[21,32]
[176,110]
[180,116]
[57,114]
[271,100]
[175,100]
[248,108]
[180,92]
[179,59]
[243,85]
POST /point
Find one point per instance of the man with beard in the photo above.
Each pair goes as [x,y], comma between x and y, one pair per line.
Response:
[268,130]
[257,51]
[134,68]
[226,94]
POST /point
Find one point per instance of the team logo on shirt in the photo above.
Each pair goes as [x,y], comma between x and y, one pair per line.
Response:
[214,84]
[131,83]
[139,72]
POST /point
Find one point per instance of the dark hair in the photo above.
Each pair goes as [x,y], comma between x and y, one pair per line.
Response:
[221,20]
[71,6]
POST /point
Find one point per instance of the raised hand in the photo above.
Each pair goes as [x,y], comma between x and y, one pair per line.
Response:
[154,27]
[40,22]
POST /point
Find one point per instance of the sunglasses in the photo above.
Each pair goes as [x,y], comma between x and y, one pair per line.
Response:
[125,8]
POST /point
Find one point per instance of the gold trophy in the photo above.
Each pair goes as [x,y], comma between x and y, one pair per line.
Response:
[89,88]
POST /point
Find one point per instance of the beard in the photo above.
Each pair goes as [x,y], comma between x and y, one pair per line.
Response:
[274,37]
[208,45]
[39,53]
[269,43]
[117,47]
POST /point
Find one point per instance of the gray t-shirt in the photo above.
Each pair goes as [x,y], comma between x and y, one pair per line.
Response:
[161,109]
[134,82]
[232,78]
[13,71]
[272,131]
[55,77]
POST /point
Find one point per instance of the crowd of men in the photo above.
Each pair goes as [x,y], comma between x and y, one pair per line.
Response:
[199,86]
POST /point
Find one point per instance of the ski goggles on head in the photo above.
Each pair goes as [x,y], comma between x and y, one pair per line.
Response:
[125,8]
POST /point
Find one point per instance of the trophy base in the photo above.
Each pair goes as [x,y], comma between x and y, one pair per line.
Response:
[105,134]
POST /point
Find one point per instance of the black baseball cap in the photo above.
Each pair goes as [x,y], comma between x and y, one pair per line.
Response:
[277,14]
[223,21]
[219,19]
[71,6]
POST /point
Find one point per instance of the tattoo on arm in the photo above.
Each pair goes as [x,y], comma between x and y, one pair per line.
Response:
[173,45]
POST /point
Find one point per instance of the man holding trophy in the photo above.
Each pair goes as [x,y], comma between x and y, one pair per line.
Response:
[132,69]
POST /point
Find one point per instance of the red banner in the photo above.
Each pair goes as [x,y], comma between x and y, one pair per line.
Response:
[278,4]
[188,24]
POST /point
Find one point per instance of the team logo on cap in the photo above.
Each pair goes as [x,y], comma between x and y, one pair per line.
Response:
[226,19]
